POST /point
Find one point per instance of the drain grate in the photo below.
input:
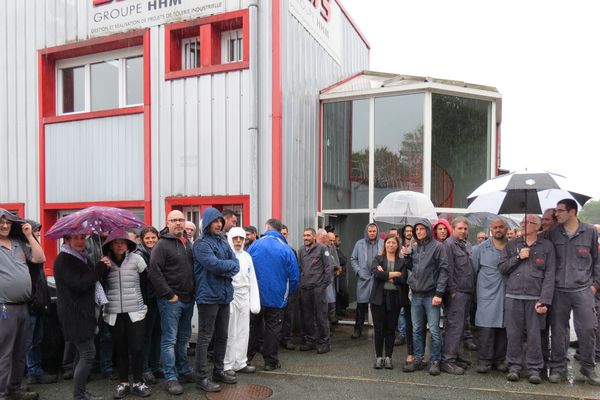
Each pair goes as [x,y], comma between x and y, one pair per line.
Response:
[241,392]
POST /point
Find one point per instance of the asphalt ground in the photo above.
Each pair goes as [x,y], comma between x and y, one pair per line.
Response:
[347,373]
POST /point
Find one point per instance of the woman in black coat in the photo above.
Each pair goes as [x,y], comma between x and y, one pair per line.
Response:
[388,294]
[76,279]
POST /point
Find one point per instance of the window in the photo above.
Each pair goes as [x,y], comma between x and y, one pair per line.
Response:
[218,43]
[190,53]
[102,81]
[232,46]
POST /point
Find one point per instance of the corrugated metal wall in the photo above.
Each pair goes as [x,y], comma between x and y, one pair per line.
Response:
[308,68]
[95,160]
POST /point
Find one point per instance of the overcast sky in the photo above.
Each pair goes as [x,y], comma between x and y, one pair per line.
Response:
[543,56]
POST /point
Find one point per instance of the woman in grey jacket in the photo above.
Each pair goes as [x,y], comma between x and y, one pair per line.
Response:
[125,311]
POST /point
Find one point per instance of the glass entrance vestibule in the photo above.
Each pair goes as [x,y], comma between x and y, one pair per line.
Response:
[382,133]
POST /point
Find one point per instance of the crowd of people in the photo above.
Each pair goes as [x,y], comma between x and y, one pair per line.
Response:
[132,294]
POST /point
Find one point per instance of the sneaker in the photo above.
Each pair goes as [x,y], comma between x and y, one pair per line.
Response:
[434,368]
[556,376]
[452,368]
[591,377]
[149,378]
[535,379]
[483,368]
[140,389]
[44,378]
[387,363]
[513,376]
[174,387]
[378,363]
[121,390]
[412,366]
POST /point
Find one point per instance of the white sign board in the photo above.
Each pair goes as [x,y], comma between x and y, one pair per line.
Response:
[110,16]
[323,20]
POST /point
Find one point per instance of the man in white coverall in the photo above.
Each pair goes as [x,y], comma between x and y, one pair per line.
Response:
[245,301]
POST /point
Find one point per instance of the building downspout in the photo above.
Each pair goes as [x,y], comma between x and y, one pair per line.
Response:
[253,98]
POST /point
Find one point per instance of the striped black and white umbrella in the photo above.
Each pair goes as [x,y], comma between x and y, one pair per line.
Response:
[523,192]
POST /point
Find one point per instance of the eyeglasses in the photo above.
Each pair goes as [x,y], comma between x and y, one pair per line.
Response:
[177,220]
[529,222]
[237,238]
[5,222]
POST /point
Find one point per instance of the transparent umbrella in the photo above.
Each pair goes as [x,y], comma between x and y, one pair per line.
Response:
[405,207]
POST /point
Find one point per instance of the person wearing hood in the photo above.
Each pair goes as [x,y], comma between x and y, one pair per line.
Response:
[277,274]
[125,310]
[246,300]
[215,264]
[362,257]
[442,230]
[17,247]
[77,300]
[427,280]
[172,275]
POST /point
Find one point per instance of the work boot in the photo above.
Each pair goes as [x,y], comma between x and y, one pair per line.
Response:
[513,376]
[452,368]
[357,333]
[323,348]
[208,386]
[174,387]
[434,368]
[501,367]
[469,344]
[591,377]
[483,368]
[556,376]
[412,366]
[535,379]
[220,376]
[307,347]
[43,378]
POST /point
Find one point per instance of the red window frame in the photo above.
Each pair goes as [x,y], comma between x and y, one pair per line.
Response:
[209,30]
[203,202]
[16,208]
[47,59]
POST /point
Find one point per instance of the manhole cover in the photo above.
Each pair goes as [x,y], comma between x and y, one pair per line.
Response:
[241,392]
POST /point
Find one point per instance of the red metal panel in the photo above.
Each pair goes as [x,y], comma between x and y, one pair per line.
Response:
[17,208]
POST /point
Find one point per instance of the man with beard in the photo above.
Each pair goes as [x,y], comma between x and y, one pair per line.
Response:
[316,275]
[490,300]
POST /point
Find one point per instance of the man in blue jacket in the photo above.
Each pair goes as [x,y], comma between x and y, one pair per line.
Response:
[214,266]
[277,274]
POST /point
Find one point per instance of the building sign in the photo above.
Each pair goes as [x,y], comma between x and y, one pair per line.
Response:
[111,16]
[323,20]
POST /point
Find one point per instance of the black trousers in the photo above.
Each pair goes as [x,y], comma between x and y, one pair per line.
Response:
[491,349]
[385,322]
[361,311]
[315,322]
[291,318]
[271,319]
[457,308]
[128,340]
[213,319]
[84,361]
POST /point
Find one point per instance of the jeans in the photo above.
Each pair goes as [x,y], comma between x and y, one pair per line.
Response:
[212,319]
[402,323]
[176,327]
[422,312]
[105,351]
[35,334]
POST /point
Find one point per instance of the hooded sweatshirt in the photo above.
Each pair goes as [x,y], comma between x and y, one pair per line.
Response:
[215,264]
[428,265]
[444,222]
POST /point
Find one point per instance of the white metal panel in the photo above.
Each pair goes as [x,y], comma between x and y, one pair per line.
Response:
[95,160]
[308,68]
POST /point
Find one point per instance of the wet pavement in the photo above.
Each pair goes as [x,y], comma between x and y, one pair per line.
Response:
[347,373]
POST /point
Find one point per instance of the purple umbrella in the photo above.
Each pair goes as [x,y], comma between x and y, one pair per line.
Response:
[93,220]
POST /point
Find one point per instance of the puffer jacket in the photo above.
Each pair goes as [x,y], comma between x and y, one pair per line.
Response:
[215,264]
[123,289]
[428,265]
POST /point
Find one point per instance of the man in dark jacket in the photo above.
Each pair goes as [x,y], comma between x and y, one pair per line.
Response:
[428,278]
[459,291]
[172,275]
[528,263]
[15,292]
[316,274]
[214,266]
[577,281]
